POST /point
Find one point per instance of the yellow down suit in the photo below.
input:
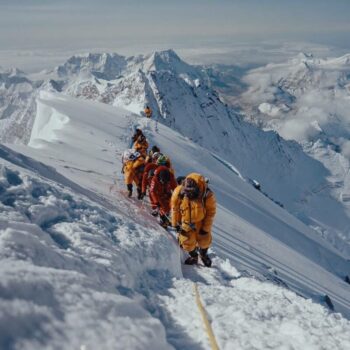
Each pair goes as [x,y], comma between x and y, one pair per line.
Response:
[194,216]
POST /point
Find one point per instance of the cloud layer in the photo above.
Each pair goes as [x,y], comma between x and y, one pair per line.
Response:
[304,99]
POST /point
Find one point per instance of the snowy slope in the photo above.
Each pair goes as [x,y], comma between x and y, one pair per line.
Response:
[186,157]
[181,97]
[307,99]
[71,260]
[80,218]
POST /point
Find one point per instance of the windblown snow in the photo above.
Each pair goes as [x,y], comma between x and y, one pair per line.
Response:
[83,267]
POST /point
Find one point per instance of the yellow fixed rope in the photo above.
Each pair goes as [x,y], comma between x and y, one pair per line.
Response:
[207,325]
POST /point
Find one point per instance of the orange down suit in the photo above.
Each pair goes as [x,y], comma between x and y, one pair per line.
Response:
[194,215]
[148,112]
[159,193]
[133,170]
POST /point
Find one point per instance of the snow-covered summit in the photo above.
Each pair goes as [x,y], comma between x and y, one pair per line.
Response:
[109,66]
[305,55]
[168,60]
[13,76]
[103,65]
[12,72]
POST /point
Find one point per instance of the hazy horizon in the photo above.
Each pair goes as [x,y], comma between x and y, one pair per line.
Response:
[39,33]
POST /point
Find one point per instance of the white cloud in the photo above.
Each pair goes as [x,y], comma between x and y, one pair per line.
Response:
[345,148]
[317,92]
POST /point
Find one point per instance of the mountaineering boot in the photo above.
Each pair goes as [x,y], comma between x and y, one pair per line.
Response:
[193,258]
[139,193]
[205,257]
[164,221]
[129,190]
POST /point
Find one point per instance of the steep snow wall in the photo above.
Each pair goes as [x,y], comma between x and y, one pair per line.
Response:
[73,267]
[47,122]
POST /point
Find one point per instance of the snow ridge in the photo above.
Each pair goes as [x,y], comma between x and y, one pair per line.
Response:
[66,265]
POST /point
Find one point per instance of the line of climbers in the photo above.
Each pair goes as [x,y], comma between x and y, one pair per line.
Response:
[185,203]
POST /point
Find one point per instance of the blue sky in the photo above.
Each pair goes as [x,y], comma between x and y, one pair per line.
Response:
[40,23]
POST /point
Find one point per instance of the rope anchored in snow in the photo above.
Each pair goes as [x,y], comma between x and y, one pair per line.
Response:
[207,325]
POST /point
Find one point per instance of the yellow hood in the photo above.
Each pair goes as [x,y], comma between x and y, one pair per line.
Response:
[200,181]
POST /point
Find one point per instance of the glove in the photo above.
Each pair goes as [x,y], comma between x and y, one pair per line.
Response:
[181,231]
[203,233]
[178,228]
[154,212]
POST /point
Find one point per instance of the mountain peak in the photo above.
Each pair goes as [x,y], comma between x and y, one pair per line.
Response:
[168,56]
[168,60]
[305,55]
[11,72]
[102,65]
[16,72]
[343,60]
